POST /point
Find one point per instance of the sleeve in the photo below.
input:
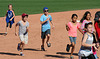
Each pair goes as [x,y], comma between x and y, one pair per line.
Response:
[50,18]
[69,24]
[83,24]
[18,23]
[96,28]
[78,25]
[28,24]
[95,25]
[41,19]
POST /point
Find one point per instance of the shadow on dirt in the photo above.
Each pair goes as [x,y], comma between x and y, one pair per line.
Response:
[56,56]
[32,49]
[63,53]
[7,53]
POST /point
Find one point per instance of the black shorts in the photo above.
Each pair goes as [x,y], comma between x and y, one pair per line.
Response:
[43,34]
[89,57]
[8,24]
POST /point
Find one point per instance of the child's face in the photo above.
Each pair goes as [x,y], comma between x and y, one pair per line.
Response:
[89,28]
[74,18]
[46,11]
[25,18]
[88,16]
[10,7]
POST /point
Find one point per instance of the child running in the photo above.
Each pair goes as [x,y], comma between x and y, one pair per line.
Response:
[97,25]
[87,44]
[45,27]
[10,15]
[23,32]
[72,32]
[97,28]
[86,19]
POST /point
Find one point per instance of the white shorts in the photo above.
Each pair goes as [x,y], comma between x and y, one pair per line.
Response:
[24,38]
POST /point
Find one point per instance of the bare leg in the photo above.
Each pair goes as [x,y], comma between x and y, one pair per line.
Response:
[73,48]
[43,42]
[22,46]
[6,30]
[48,37]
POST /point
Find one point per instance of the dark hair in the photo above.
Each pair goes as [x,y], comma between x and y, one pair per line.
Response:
[85,15]
[24,16]
[74,15]
[9,5]
[87,24]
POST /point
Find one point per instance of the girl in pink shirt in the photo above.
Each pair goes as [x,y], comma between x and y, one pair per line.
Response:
[72,27]
[86,19]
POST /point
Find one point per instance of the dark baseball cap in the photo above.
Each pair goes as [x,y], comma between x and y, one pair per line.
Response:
[24,14]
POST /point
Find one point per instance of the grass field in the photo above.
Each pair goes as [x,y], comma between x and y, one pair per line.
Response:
[36,6]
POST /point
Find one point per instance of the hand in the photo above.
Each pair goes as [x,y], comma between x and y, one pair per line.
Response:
[96,48]
[67,28]
[97,45]
[53,27]
[85,29]
[10,19]
[15,34]
[94,45]
[94,32]
[48,18]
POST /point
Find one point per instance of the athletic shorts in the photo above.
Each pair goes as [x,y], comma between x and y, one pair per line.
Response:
[43,34]
[72,39]
[24,38]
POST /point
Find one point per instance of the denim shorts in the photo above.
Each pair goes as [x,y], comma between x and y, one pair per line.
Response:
[72,39]
[43,34]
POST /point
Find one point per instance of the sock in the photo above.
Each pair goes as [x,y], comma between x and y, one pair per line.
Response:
[21,52]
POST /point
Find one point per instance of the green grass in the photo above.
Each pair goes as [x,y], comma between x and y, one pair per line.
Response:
[36,6]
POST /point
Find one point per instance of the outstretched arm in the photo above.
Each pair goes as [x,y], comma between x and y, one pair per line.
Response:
[67,28]
[15,29]
[81,30]
[52,24]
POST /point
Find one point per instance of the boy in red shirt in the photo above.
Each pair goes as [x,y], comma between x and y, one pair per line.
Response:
[97,25]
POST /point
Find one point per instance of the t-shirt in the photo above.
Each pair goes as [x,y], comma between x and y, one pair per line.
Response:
[97,29]
[73,29]
[9,16]
[46,25]
[83,25]
[22,28]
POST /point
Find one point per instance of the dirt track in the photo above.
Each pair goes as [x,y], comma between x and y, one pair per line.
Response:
[59,38]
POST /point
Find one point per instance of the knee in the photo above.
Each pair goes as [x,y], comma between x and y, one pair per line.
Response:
[73,45]
[48,35]
[22,43]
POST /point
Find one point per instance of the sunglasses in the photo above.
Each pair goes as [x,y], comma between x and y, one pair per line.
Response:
[46,11]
